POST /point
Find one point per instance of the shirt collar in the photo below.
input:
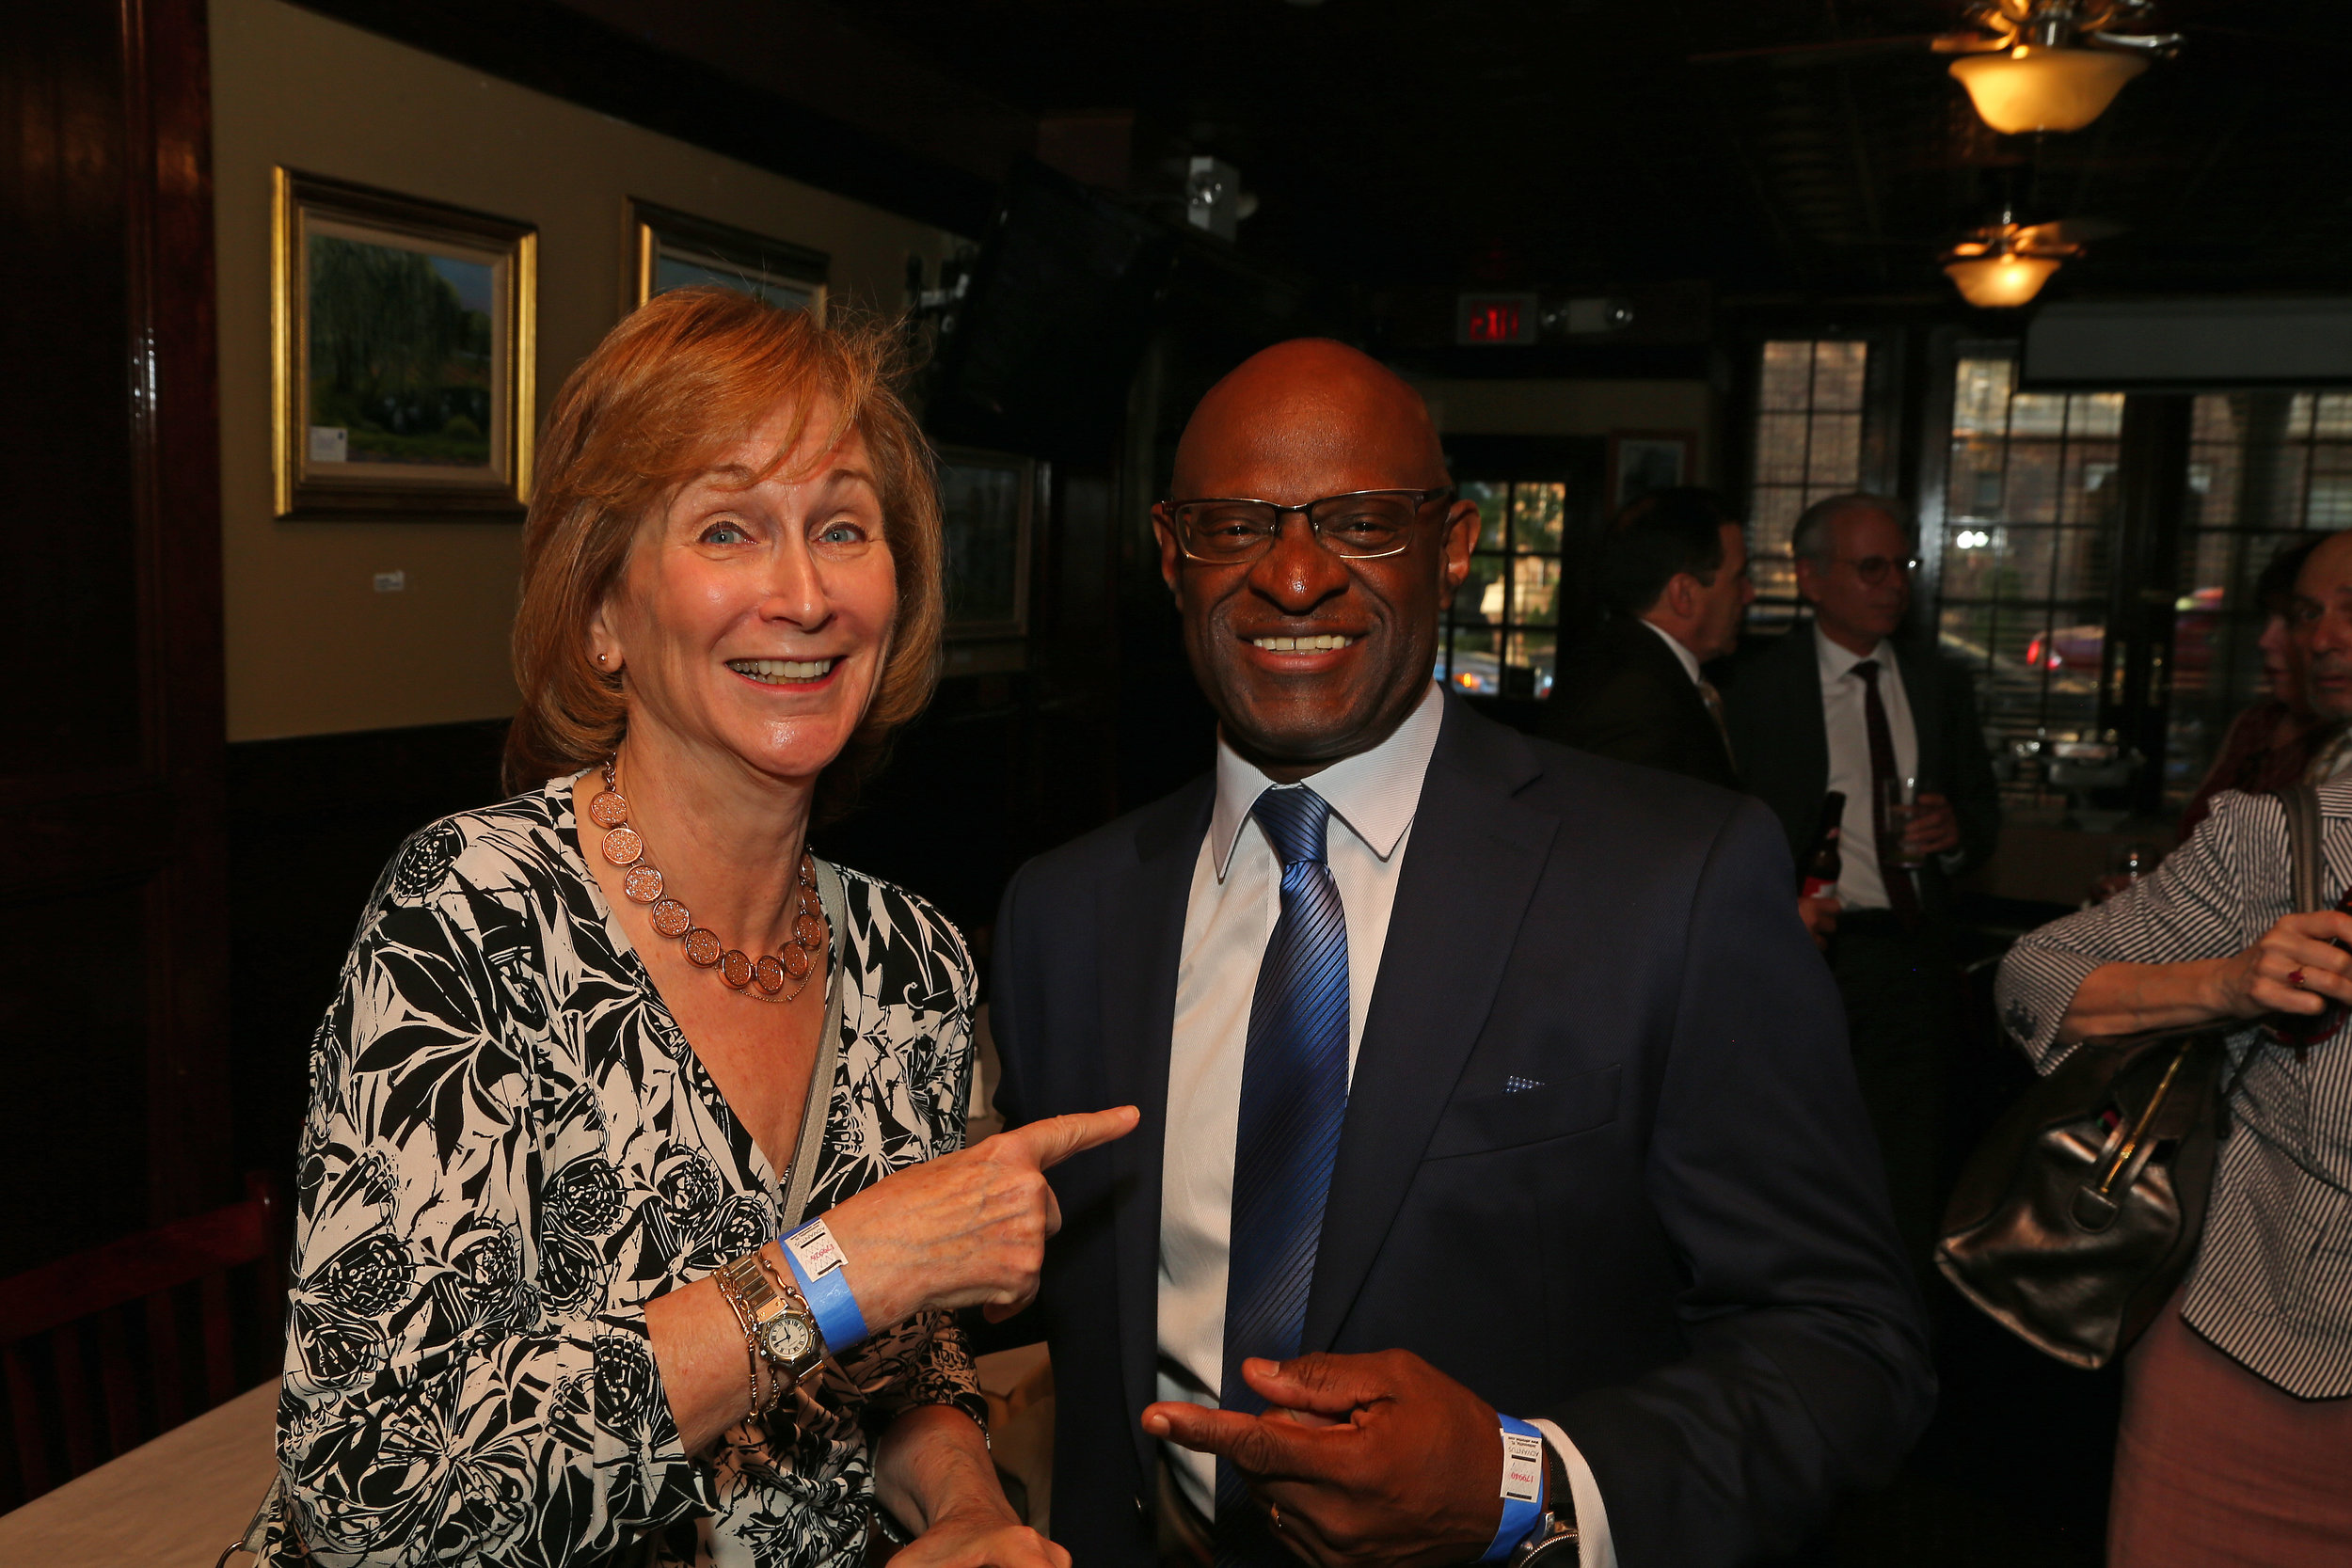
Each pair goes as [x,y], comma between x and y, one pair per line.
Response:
[1375,792]
[1689,660]
[1837,662]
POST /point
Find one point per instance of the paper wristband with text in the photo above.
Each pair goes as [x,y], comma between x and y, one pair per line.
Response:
[815,1260]
[1522,1486]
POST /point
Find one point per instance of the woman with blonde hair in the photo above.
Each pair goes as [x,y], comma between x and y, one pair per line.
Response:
[631,1215]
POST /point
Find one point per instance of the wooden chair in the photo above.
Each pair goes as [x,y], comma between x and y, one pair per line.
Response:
[122,1306]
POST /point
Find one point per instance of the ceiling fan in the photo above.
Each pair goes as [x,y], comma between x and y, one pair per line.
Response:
[2004,264]
[2050,65]
[2028,65]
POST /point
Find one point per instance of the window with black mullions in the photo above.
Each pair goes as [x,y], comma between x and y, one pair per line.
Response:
[1811,399]
[2031,520]
[2267,470]
[1529,590]
[1504,631]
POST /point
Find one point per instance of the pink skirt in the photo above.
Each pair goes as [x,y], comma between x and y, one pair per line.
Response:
[2216,1468]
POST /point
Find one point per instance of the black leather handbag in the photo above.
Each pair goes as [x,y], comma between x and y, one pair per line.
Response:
[2076,1217]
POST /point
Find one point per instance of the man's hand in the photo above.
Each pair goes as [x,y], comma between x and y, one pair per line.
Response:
[1933,828]
[1376,1458]
[1820,918]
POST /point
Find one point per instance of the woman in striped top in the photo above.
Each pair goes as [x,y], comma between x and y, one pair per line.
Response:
[2237,1441]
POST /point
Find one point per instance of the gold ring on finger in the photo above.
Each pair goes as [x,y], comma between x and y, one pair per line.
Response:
[1274,1517]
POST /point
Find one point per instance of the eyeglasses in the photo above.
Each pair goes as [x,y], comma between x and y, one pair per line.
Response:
[1361,525]
[1873,569]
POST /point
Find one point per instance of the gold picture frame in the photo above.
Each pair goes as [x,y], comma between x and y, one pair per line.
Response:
[670,249]
[405,346]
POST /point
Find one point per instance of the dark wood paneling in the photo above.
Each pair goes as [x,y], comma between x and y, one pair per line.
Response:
[76,1067]
[110,541]
[558,51]
[311,821]
[65,440]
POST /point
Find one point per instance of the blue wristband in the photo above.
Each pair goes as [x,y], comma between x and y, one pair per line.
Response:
[1522,1487]
[815,1258]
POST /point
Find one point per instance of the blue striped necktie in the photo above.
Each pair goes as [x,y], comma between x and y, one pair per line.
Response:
[1293,1096]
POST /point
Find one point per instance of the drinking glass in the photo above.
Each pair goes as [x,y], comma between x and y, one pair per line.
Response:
[1899,805]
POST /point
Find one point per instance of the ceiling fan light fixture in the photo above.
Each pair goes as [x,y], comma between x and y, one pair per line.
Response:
[2001,281]
[2037,88]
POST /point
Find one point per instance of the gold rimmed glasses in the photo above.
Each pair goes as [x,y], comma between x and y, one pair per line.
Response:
[1360,525]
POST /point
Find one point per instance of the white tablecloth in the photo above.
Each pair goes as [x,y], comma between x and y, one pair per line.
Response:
[171,1503]
[177,1502]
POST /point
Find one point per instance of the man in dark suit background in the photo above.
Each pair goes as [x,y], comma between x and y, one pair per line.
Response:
[1840,705]
[1673,573]
[1477,1075]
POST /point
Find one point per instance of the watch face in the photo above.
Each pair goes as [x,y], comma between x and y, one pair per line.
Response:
[790,1337]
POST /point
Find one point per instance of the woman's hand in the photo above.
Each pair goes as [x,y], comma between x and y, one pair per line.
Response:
[2295,967]
[931,1469]
[2127,998]
[966,1229]
[979,1536]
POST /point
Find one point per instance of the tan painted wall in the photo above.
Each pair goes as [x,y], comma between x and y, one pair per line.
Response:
[312,648]
[1574,409]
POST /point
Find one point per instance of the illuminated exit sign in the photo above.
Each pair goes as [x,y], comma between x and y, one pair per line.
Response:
[1485,319]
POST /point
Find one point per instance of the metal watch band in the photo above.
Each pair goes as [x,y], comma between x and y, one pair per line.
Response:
[1555,1546]
[788,1330]
[1557,1543]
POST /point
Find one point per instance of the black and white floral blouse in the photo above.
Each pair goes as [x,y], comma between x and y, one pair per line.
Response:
[510,1151]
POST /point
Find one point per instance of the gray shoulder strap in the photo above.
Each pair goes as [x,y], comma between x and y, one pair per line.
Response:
[811,1142]
[2303,804]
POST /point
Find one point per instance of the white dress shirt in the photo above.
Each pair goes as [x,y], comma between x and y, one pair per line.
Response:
[1229,916]
[1689,660]
[1843,712]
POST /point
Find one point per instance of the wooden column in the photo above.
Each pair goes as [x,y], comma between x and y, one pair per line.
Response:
[112,944]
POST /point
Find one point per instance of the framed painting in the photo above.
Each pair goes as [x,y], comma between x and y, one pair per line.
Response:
[986,499]
[669,249]
[404,336]
[1641,461]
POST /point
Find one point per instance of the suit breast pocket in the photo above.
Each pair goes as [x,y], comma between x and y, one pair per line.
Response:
[1526,1114]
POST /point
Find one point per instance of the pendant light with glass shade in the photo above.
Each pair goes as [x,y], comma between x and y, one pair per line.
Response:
[2050,65]
[2004,264]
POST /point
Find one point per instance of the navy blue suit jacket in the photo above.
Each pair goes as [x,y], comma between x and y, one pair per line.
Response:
[1678,1246]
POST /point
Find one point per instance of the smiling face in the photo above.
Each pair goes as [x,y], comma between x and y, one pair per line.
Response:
[1306,657]
[751,620]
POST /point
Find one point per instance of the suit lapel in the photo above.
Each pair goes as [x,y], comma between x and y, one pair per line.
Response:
[1695,713]
[1471,866]
[1140,912]
[1800,683]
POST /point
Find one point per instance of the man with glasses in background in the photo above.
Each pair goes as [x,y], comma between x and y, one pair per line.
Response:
[1501,1191]
[1842,705]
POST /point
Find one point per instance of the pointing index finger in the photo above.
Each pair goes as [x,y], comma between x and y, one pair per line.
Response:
[1057,1138]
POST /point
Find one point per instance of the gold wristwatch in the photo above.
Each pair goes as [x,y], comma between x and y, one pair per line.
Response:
[787,1331]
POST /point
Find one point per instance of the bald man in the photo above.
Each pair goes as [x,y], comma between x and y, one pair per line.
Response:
[1502,1192]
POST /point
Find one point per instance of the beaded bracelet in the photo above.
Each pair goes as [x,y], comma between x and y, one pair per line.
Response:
[750,1338]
